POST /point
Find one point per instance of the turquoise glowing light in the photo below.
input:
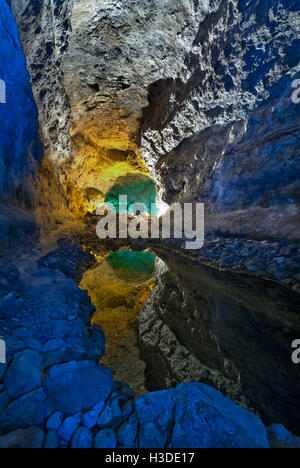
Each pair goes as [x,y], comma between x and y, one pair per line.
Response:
[138,189]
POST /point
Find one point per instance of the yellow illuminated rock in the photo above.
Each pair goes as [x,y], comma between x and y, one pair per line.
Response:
[118,295]
[104,149]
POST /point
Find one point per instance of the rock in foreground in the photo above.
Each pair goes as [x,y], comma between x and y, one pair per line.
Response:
[196,416]
[77,386]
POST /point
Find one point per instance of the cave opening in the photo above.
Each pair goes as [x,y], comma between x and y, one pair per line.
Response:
[138,188]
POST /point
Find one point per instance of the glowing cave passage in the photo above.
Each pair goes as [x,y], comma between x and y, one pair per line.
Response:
[138,188]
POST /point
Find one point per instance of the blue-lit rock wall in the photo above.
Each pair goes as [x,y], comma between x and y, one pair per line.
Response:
[19,145]
[228,136]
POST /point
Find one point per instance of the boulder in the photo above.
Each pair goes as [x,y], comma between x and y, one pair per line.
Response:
[111,416]
[54,421]
[9,306]
[24,374]
[77,386]
[151,436]
[279,437]
[127,435]
[82,439]
[68,427]
[31,438]
[196,416]
[28,410]
[205,418]
[51,441]
[90,418]
[105,439]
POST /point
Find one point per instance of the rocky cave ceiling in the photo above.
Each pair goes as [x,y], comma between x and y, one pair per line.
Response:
[194,93]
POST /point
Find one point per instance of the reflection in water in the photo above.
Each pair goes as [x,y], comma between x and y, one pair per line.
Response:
[118,287]
[231,331]
[136,267]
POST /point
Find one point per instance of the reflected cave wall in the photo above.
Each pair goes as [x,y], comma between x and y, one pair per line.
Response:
[229,331]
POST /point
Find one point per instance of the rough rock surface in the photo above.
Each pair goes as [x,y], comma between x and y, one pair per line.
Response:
[27,180]
[188,417]
[69,258]
[32,437]
[19,231]
[279,437]
[229,331]
[96,40]
[277,261]
[205,86]
[77,386]
[44,319]
[227,135]
[203,89]
[72,402]
[19,146]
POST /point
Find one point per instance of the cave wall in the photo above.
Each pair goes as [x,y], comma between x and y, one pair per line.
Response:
[227,136]
[91,63]
[20,146]
[31,197]
[200,89]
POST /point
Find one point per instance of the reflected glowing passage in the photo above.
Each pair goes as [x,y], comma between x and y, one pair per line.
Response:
[119,287]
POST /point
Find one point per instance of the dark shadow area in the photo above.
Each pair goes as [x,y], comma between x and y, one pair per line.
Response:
[233,332]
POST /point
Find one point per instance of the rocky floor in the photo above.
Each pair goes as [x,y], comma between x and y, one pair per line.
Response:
[53,394]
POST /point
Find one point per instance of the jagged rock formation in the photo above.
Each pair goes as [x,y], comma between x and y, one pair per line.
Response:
[204,86]
[227,136]
[88,114]
[279,437]
[69,258]
[53,394]
[25,183]
[228,331]
[20,147]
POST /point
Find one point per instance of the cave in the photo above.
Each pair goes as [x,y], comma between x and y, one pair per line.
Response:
[146,341]
[137,188]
